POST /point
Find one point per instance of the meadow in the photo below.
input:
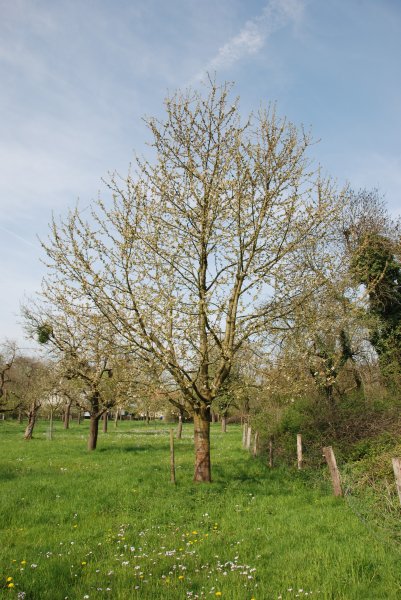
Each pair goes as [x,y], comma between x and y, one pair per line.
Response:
[109,524]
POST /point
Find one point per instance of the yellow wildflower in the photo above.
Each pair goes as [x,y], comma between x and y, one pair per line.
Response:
[10,585]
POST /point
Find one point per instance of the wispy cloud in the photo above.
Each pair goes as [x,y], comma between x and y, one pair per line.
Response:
[252,37]
[18,237]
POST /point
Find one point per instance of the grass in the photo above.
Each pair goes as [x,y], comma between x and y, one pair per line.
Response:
[109,524]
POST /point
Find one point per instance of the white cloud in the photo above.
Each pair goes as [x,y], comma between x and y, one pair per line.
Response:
[252,37]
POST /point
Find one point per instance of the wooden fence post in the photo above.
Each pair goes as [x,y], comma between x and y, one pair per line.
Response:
[244,434]
[271,452]
[172,461]
[299,451]
[256,444]
[334,472]
[248,438]
[397,474]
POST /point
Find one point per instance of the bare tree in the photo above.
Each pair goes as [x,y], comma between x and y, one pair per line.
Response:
[192,256]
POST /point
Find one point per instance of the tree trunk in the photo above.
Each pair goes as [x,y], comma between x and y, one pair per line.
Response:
[147,417]
[93,431]
[202,445]
[31,424]
[51,424]
[105,421]
[224,424]
[79,416]
[116,417]
[179,427]
[67,414]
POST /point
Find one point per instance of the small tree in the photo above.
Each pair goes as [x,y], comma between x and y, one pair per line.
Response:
[8,355]
[192,256]
[79,341]
[34,381]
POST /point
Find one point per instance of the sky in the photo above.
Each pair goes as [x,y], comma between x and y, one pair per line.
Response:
[78,76]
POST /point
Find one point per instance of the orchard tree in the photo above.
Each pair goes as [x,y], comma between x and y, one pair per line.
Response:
[81,346]
[33,382]
[8,353]
[194,253]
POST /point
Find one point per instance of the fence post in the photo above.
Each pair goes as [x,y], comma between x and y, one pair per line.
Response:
[248,437]
[334,472]
[397,474]
[299,451]
[172,461]
[271,452]
[256,444]
[244,434]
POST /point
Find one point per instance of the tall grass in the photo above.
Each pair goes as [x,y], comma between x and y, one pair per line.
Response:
[109,524]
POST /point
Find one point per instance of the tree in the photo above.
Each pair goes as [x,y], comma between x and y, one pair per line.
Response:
[375,263]
[33,382]
[84,353]
[377,267]
[190,258]
[8,355]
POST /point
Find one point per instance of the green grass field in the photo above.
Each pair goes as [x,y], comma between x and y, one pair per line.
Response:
[111,525]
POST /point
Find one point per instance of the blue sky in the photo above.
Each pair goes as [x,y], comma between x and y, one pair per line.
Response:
[76,76]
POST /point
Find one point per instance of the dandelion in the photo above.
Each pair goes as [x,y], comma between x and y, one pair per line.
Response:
[218,594]
[83,563]
[23,562]
[10,585]
[9,579]
[181,577]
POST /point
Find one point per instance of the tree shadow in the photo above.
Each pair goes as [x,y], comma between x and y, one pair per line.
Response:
[125,449]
